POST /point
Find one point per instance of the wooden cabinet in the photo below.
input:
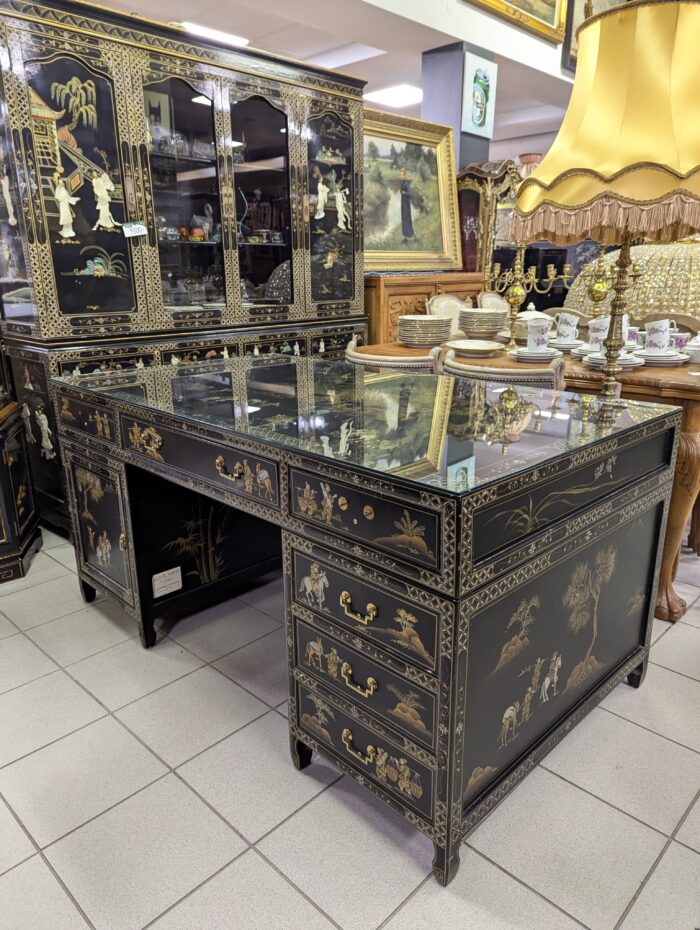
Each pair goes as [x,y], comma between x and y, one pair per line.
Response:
[388,296]
[20,537]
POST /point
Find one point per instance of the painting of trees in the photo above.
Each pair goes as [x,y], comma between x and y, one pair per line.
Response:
[522,618]
[79,99]
[582,598]
[201,541]
[91,487]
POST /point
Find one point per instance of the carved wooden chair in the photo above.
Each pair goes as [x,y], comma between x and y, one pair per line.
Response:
[430,362]
[550,377]
[490,300]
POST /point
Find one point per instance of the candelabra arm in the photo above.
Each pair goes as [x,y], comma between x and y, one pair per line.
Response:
[614,342]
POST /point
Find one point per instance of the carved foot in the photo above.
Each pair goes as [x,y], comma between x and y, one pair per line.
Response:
[669,605]
[87,592]
[445,863]
[300,752]
[637,676]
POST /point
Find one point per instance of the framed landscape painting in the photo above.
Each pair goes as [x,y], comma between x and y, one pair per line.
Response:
[411,219]
[546,18]
[575,16]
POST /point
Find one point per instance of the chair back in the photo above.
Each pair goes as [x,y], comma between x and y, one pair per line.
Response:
[448,305]
[683,320]
[490,300]
[430,362]
[550,377]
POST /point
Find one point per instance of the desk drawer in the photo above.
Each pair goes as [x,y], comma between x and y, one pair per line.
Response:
[410,534]
[384,762]
[231,467]
[400,703]
[380,611]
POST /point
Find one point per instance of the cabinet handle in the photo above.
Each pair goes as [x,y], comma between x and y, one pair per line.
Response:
[235,475]
[366,759]
[122,542]
[346,604]
[346,672]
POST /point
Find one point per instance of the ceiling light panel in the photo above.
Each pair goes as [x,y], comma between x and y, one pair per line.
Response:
[401,95]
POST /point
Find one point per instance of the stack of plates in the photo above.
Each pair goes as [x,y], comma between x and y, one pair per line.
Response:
[482,324]
[523,354]
[418,331]
[625,360]
[669,359]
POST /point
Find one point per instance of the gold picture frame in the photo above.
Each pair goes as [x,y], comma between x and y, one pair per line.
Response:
[391,145]
[523,12]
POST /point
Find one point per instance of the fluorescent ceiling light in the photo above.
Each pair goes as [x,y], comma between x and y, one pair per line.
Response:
[206,33]
[205,101]
[402,95]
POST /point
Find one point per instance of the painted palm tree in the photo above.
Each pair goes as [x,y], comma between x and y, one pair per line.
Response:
[92,489]
[523,617]
[582,598]
[79,98]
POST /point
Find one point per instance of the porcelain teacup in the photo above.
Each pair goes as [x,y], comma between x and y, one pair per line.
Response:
[567,326]
[679,341]
[659,336]
[538,335]
[597,331]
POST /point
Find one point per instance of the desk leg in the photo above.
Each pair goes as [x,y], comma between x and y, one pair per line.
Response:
[669,606]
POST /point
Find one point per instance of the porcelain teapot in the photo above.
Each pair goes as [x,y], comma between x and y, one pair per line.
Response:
[524,318]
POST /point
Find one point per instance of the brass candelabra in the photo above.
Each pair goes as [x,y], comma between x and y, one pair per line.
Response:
[515,284]
[599,280]
[502,421]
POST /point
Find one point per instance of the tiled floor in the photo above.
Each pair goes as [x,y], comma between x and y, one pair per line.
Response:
[154,789]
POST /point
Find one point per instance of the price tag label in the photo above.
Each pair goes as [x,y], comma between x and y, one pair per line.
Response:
[134,228]
[166,582]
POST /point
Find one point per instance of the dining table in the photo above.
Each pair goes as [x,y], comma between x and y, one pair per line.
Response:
[677,386]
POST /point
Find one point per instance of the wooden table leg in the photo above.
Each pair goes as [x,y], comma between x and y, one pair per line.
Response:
[694,533]
[669,606]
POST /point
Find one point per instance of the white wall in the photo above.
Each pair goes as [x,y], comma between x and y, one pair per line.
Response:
[511,148]
[474,25]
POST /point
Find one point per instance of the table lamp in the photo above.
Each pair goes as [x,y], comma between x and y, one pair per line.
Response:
[626,161]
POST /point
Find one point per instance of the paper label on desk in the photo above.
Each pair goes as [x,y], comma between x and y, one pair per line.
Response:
[168,581]
[134,228]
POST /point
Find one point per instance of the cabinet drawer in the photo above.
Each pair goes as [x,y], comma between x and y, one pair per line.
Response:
[408,533]
[400,703]
[235,469]
[392,621]
[383,762]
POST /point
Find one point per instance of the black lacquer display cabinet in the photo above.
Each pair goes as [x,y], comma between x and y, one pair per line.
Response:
[160,200]
[468,568]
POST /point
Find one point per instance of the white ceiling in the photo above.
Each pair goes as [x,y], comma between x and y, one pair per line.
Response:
[371,43]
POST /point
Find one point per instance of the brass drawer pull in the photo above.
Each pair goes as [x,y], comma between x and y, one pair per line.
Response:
[235,475]
[346,604]
[346,672]
[367,759]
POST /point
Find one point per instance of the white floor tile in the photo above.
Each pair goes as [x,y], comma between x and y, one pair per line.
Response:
[32,899]
[249,777]
[15,845]
[667,703]
[260,667]
[643,774]
[6,627]
[64,555]
[192,713]
[87,631]
[21,662]
[692,615]
[659,628]
[564,843]
[134,861]
[43,568]
[688,568]
[40,712]
[680,651]
[65,784]
[671,897]
[250,894]
[689,592]
[480,897]
[356,858]
[268,597]
[52,539]
[689,833]
[43,602]
[127,672]
[212,633]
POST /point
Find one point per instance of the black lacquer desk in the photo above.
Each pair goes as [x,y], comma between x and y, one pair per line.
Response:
[468,569]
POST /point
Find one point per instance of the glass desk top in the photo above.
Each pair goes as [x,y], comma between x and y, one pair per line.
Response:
[434,430]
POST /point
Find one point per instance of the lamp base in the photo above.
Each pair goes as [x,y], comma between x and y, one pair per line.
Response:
[614,342]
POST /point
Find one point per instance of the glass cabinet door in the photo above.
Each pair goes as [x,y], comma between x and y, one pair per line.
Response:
[331,198]
[261,169]
[184,175]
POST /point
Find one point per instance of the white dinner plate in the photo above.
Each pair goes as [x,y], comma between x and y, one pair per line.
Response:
[522,355]
[566,345]
[475,348]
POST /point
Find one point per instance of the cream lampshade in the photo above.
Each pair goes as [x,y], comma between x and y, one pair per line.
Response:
[626,161]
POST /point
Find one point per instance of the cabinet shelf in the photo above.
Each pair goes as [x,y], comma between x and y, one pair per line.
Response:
[185,159]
